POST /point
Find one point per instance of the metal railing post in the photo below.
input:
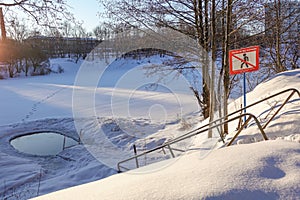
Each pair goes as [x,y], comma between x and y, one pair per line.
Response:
[261,129]
[171,151]
[240,130]
[64,142]
[136,159]
[283,104]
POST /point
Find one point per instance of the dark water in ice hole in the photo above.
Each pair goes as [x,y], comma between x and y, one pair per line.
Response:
[42,144]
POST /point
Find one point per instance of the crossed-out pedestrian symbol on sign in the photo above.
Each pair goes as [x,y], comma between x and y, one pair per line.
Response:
[246,59]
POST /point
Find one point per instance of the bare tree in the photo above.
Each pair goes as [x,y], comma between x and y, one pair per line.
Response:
[17,29]
[44,12]
[213,68]
[2,24]
[226,78]
[282,31]
[66,29]
[188,17]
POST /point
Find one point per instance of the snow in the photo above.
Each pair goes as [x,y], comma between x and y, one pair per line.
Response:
[252,174]
[125,107]
[46,103]
[31,98]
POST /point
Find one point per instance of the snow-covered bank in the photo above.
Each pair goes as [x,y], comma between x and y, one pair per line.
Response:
[264,170]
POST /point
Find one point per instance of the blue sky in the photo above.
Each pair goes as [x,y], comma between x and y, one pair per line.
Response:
[86,11]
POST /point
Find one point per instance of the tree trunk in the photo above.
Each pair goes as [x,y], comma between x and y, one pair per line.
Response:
[202,38]
[226,79]
[278,35]
[213,58]
[2,24]
[205,66]
[220,91]
[26,67]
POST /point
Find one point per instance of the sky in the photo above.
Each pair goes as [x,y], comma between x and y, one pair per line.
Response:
[86,11]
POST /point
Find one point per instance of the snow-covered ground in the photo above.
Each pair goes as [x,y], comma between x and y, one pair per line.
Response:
[239,172]
[125,110]
[125,107]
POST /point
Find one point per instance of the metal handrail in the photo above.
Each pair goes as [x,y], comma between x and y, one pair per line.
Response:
[168,144]
[220,122]
[253,104]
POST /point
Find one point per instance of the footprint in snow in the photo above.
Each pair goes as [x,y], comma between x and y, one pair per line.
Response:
[34,108]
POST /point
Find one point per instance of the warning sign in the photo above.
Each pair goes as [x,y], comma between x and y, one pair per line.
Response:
[244,60]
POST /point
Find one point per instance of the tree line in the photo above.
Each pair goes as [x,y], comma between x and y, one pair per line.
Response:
[22,57]
[27,42]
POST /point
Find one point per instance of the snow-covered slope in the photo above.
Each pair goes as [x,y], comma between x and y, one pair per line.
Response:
[265,170]
[286,121]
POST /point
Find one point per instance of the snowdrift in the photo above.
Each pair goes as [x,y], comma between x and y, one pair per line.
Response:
[264,170]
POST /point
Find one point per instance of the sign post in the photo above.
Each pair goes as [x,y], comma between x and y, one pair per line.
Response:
[245,92]
[242,61]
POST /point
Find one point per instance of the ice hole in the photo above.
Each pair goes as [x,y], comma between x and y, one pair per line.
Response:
[43,143]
